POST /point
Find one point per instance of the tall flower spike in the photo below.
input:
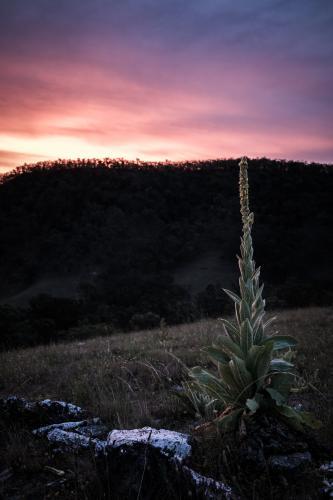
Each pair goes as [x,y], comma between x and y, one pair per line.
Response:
[248,376]
[244,192]
[249,305]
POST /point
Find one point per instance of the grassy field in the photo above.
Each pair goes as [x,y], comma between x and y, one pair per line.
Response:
[126,378]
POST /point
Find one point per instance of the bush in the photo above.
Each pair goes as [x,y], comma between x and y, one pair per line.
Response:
[145,321]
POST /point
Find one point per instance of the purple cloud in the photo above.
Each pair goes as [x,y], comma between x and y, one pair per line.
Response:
[166,79]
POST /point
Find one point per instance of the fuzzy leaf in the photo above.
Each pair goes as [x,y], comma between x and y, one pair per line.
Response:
[242,376]
[228,378]
[246,289]
[258,295]
[252,405]
[310,421]
[256,274]
[246,336]
[299,420]
[269,322]
[263,363]
[231,330]
[258,334]
[291,416]
[228,346]
[210,384]
[276,396]
[257,318]
[281,341]
[244,311]
[280,365]
[216,354]
[282,382]
[252,359]
[238,320]
[232,295]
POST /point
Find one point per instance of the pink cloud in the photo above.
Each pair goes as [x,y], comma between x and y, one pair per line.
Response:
[138,102]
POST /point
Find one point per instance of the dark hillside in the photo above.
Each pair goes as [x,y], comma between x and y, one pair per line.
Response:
[139,242]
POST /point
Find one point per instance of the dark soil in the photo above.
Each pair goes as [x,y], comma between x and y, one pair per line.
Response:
[265,459]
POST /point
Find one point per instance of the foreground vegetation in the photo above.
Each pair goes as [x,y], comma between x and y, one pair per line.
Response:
[131,380]
[254,368]
[126,378]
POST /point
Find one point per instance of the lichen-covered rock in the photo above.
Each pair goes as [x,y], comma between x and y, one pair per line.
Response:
[33,413]
[210,487]
[143,462]
[171,443]
[141,470]
[327,469]
[328,488]
[289,464]
[270,443]
[91,428]
[76,435]
[73,440]
[61,408]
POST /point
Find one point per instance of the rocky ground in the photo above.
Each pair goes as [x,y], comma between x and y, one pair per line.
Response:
[62,452]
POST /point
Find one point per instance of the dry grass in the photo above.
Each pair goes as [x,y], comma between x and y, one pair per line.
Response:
[126,378]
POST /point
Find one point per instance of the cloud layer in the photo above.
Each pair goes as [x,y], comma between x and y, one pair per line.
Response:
[172,79]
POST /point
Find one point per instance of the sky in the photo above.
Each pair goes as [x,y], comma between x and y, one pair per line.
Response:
[165,79]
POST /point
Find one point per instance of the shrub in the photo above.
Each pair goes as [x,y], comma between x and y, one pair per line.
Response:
[63,312]
[144,321]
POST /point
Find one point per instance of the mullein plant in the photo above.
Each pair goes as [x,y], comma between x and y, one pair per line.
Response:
[254,372]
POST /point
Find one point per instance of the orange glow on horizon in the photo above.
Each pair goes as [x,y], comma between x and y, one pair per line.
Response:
[154,90]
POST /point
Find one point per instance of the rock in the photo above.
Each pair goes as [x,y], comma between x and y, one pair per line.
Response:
[211,488]
[148,463]
[171,443]
[145,463]
[328,480]
[328,488]
[327,467]
[73,440]
[95,430]
[60,408]
[92,428]
[142,463]
[273,447]
[292,463]
[142,470]
[33,413]
[76,435]
[270,442]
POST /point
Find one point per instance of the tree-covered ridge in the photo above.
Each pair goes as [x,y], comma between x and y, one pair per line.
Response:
[126,228]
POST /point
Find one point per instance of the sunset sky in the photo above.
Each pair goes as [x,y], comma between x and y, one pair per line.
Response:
[165,79]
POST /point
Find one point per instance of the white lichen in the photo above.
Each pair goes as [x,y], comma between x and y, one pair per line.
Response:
[327,467]
[71,439]
[170,443]
[69,407]
[66,426]
[211,486]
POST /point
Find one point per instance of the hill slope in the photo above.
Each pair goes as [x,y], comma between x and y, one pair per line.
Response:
[161,238]
[127,378]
